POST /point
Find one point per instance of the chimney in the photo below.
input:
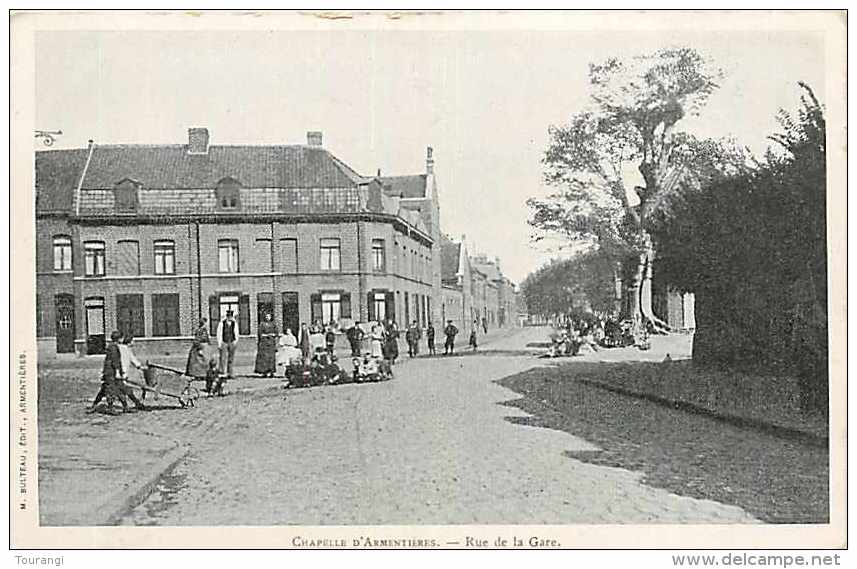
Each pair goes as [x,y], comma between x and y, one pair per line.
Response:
[429,160]
[313,138]
[197,140]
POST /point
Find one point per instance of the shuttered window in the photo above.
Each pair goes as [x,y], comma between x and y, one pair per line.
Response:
[165,315]
[130,317]
[128,257]
[244,315]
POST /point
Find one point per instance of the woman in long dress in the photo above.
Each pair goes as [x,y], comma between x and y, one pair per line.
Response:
[287,350]
[377,337]
[199,355]
[266,353]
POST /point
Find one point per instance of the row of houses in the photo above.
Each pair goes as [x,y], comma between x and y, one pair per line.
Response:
[150,239]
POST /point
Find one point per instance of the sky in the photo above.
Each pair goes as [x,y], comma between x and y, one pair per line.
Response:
[483,100]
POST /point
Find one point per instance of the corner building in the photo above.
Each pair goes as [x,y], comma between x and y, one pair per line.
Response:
[150,239]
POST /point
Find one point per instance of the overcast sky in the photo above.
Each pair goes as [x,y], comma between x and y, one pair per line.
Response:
[483,100]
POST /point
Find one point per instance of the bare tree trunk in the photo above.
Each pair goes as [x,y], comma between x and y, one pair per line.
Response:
[617,287]
[647,261]
[633,293]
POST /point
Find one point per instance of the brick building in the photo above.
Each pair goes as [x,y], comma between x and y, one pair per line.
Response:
[150,239]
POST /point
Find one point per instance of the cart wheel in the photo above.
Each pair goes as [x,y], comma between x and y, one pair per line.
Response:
[190,395]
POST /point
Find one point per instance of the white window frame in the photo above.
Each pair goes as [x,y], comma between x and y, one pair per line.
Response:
[93,263]
[165,264]
[379,255]
[231,261]
[62,253]
[331,307]
[379,302]
[330,255]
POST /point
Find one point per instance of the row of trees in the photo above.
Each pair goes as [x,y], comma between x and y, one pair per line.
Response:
[747,236]
[570,285]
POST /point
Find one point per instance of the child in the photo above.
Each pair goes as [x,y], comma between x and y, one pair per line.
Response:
[473,339]
[130,360]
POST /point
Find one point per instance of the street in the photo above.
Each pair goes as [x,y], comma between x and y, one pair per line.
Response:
[433,446]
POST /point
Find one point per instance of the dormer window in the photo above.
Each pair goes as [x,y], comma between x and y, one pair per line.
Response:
[125,195]
[228,194]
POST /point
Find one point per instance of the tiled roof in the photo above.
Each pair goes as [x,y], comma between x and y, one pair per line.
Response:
[57,175]
[450,254]
[405,186]
[489,269]
[173,167]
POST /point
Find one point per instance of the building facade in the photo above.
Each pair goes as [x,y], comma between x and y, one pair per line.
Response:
[151,239]
[475,291]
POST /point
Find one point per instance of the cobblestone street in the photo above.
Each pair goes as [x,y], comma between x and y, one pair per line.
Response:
[434,446]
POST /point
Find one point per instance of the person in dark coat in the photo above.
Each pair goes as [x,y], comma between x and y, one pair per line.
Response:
[111,374]
[430,339]
[199,355]
[355,336]
[450,331]
[329,339]
[266,351]
[304,343]
[473,339]
[412,336]
[391,342]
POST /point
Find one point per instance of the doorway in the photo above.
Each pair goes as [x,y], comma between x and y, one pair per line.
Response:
[95,340]
[64,312]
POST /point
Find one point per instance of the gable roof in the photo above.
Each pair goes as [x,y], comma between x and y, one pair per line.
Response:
[450,257]
[161,167]
[172,167]
[488,268]
[57,175]
[405,186]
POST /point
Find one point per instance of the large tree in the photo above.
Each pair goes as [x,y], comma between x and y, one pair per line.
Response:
[631,124]
[753,247]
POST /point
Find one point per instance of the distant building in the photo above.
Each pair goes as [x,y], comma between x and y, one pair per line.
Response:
[475,291]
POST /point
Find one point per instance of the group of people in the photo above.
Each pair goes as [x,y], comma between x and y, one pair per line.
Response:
[576,334]
[214,359]
[377,339]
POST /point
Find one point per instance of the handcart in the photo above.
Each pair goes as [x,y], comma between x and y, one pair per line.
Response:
[186,397]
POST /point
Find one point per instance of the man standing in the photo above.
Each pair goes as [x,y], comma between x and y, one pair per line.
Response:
[355,336]
[304,342]
[430,339]
[227,340]
[329,339]
[412,336]
[450,331]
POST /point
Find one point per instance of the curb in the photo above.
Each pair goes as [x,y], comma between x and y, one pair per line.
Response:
[790,433]
[168,463]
